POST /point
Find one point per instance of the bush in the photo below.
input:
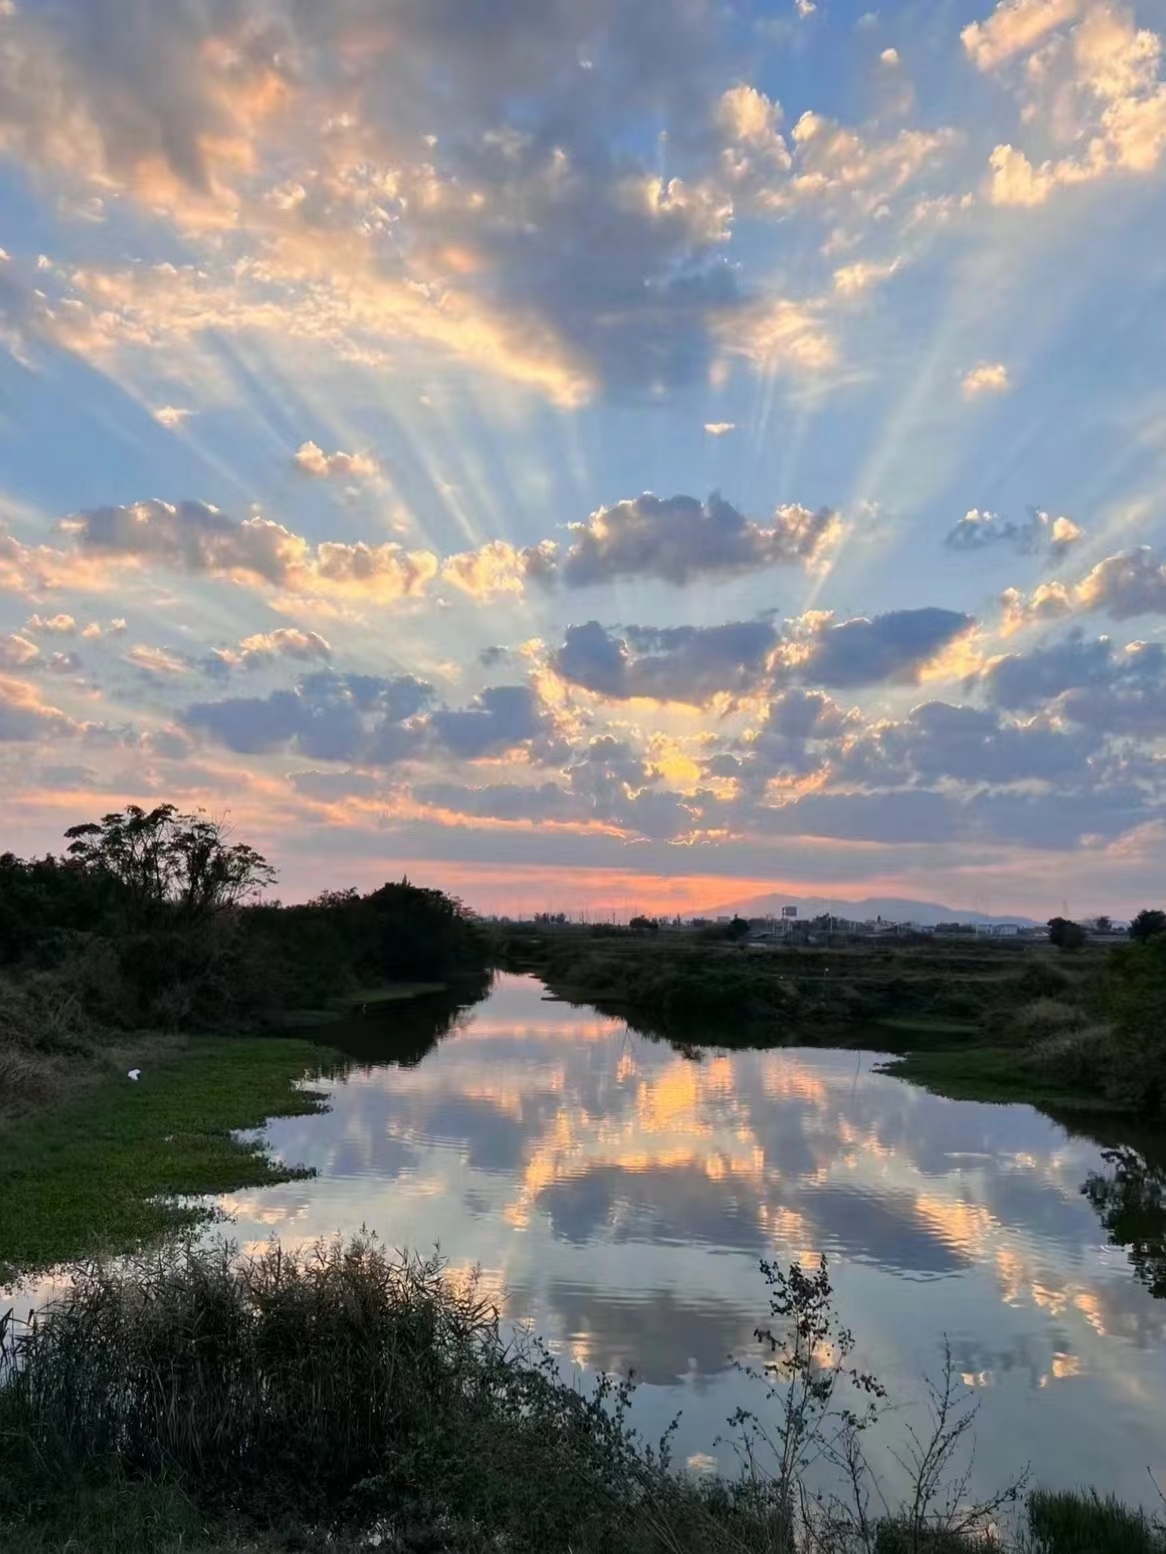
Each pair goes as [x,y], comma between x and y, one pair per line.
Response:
[1080,1058]
[1041,979]
[1046,1017]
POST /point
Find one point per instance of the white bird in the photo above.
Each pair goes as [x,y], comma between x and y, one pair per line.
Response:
[134,1074]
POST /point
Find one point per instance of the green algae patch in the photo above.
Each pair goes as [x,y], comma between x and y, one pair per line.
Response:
[991,1074]
[115,1167]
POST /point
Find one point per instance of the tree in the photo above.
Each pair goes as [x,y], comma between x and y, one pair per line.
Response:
[1066,935]
[644,925]
[1148,924]
[165,862]
[1103,924]
[739,929]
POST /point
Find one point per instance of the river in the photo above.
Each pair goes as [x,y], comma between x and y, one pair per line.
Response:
[618,1195]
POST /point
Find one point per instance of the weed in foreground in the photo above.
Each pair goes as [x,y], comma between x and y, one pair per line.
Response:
[349,1397]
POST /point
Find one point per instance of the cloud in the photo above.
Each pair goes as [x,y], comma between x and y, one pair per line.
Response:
[1014,27]
[1123,586]
[512,802]
[1022,681]
[196,538]
[800,715]
[499,568]
[313,461]
[25,717]
[837,169]
[780,337]
[691,664]
[1095,86]
[987,378]
[720,428]
[978,530]
[527,238]
[673,540]
[61,625]
[1091,683]
[17,652]
[896,646]
[265,648]
[678,539]
[326,717]
[368,721]
[499,719]
[889,57]
[156,661]
[971,745]
[64,663]
[172,417]
[851,280]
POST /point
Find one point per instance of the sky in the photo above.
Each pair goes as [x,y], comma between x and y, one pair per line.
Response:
[589,455]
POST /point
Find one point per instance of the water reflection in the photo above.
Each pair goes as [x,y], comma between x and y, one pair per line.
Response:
[1130,1199]
[618,1195]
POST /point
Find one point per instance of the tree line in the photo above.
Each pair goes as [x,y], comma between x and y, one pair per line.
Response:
[154,918]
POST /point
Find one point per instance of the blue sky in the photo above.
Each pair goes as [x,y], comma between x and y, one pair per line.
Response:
[592,454]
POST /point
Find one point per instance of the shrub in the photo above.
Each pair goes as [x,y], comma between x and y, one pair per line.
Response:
[1047,1016]
[1080,1058]
[1041,979]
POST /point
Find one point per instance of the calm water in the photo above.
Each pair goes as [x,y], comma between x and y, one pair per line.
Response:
[619,1195]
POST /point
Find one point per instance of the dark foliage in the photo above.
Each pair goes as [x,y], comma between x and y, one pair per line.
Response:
[149,921]
[1130,1199]
[1066,935]
[1148,924]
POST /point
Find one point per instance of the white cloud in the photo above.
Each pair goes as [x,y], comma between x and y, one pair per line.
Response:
[1014,27]
[853,279]
[172,417]
[805,8]
[889,56]
[720,428]
[986,378]
[156,660]
[310,459]
[54,626]
[16,652]
[1094,87]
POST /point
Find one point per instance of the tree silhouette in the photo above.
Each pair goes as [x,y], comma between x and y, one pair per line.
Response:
[165,862]
[1148,924]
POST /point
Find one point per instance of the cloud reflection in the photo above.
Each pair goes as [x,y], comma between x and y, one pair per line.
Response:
[620,1195]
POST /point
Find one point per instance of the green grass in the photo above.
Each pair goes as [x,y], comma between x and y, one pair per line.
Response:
[103,1169]
[1086,1523]
[922,1026]
[985,1074]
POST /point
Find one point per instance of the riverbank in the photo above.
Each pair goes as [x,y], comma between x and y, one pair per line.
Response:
[348,1398]
[106,1163]
[113,1164]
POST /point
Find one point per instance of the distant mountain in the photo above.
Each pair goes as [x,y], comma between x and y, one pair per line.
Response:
[892,908]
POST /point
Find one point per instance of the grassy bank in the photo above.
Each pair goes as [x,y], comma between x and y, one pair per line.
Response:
[346,1398]
[108,1166]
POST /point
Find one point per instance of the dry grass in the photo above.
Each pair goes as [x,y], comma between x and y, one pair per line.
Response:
[1078,1057]
[1045,1016]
